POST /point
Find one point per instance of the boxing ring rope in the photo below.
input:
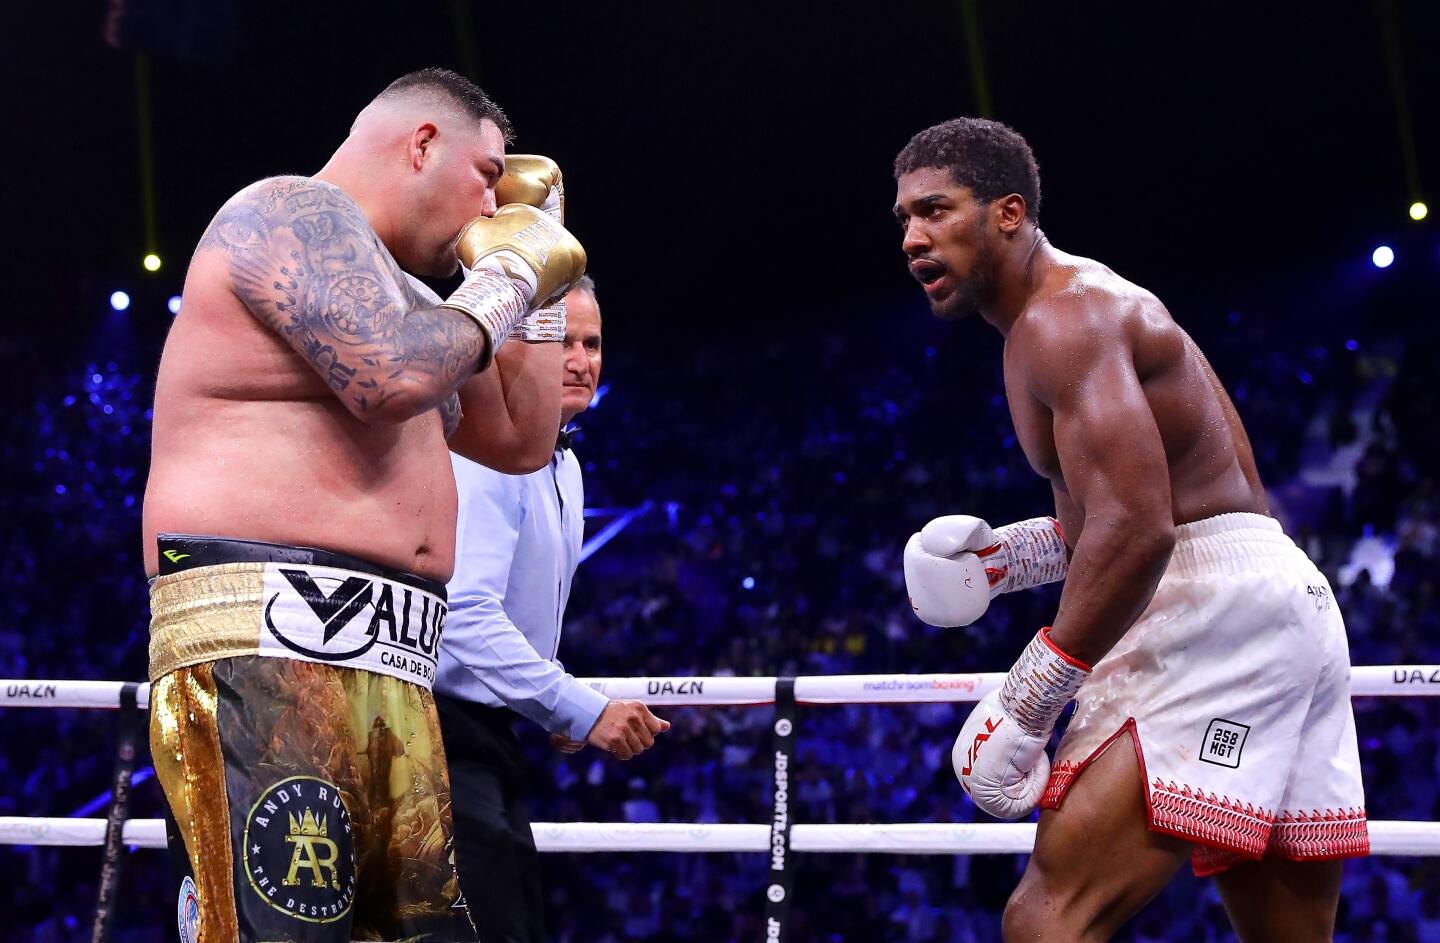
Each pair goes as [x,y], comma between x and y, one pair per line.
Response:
[914,838]
[777,838]
[1365,681]
[1389,838]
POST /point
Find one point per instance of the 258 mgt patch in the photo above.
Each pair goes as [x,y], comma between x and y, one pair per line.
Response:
[299,853]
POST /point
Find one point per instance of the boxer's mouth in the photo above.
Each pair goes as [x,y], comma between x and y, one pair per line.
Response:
[927,271]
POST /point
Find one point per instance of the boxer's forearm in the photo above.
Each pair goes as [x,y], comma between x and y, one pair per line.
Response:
[511,413]
[415,367]
[433,353]
[531,378]
[1115,568]
[303,258]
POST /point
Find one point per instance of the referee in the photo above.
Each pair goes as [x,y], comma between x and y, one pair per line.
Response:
[517,545]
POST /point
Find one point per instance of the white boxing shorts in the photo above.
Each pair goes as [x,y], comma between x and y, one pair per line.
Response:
[1234,686]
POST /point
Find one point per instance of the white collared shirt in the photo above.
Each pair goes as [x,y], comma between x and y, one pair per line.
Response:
[518,540]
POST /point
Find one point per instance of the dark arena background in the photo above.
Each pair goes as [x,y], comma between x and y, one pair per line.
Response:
[779,410]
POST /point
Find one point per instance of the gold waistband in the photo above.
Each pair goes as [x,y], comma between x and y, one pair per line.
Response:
[205,614]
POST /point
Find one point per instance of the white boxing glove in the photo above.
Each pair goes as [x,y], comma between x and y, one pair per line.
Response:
[999,756]
[1000,766]
[945,590]
[1016,556]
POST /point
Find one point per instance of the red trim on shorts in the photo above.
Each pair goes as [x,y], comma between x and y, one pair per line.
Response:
[1218,823]
[1045,637]
[1177,811]
[1226,832]
[1319,836]
[1063,776]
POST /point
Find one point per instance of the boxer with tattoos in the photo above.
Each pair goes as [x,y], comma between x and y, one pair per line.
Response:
[299,519]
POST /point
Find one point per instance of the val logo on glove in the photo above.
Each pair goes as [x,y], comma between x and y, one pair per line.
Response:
[990,727]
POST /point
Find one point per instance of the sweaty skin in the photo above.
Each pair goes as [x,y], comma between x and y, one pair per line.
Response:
[1119,410]
[300,393]
[1112,402]
[1115,405]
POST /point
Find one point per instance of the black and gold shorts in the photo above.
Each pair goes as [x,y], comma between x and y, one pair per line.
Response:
[294,734]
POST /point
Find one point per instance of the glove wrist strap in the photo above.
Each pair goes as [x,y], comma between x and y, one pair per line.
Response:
[492,300]
[1043,680]
[1025,554]
[545,324]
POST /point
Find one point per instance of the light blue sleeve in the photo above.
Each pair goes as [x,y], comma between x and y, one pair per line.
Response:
[478,633]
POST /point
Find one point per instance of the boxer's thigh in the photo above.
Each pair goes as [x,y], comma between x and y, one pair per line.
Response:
[292,784]
[421,898]
[1280,901]
[1070,889]
[186,751]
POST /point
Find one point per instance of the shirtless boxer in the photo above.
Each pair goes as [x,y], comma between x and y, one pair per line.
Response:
[1215,724]
[300,514]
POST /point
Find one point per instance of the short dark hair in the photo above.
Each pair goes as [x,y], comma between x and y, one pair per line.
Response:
[989,158]
[463,92]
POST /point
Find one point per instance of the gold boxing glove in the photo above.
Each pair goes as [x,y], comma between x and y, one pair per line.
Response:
[535,181]
[517,259]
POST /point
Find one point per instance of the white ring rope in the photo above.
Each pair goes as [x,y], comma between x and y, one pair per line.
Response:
[916,838]
[1365,681]
[1386,837]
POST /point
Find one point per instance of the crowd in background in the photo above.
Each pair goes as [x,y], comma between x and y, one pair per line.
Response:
[783,482]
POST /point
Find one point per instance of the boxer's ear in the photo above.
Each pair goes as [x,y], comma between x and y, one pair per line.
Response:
[1009,214]
[422,142]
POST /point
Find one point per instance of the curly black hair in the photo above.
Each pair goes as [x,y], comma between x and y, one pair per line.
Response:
[989,158]
[458,89]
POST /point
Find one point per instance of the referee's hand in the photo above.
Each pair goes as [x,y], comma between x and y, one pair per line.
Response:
[626,729]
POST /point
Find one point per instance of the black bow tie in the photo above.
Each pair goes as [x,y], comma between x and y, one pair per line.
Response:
[566,438]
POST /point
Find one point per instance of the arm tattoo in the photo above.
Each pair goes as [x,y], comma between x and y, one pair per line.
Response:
[450,414]
[305,261]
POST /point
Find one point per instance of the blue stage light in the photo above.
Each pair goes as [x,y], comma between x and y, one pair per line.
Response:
[119,300]
[173,304]
[1383,256]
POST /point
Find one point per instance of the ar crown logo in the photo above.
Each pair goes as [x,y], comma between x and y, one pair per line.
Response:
[313,851]
[298,850]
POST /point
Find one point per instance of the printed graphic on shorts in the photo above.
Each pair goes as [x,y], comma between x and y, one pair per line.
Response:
[299,852]
[187,912]
[342,617]
[1321,596]
[1224,739]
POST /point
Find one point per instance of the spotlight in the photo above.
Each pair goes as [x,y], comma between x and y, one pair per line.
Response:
[748,582]
[1418,211]
[1383,256]
[119,300]
[173,304]
[152,262]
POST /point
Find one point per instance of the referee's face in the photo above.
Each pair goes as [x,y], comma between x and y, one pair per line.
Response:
[582,354]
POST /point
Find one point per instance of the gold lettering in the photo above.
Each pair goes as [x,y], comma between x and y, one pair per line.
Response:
[314,851]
